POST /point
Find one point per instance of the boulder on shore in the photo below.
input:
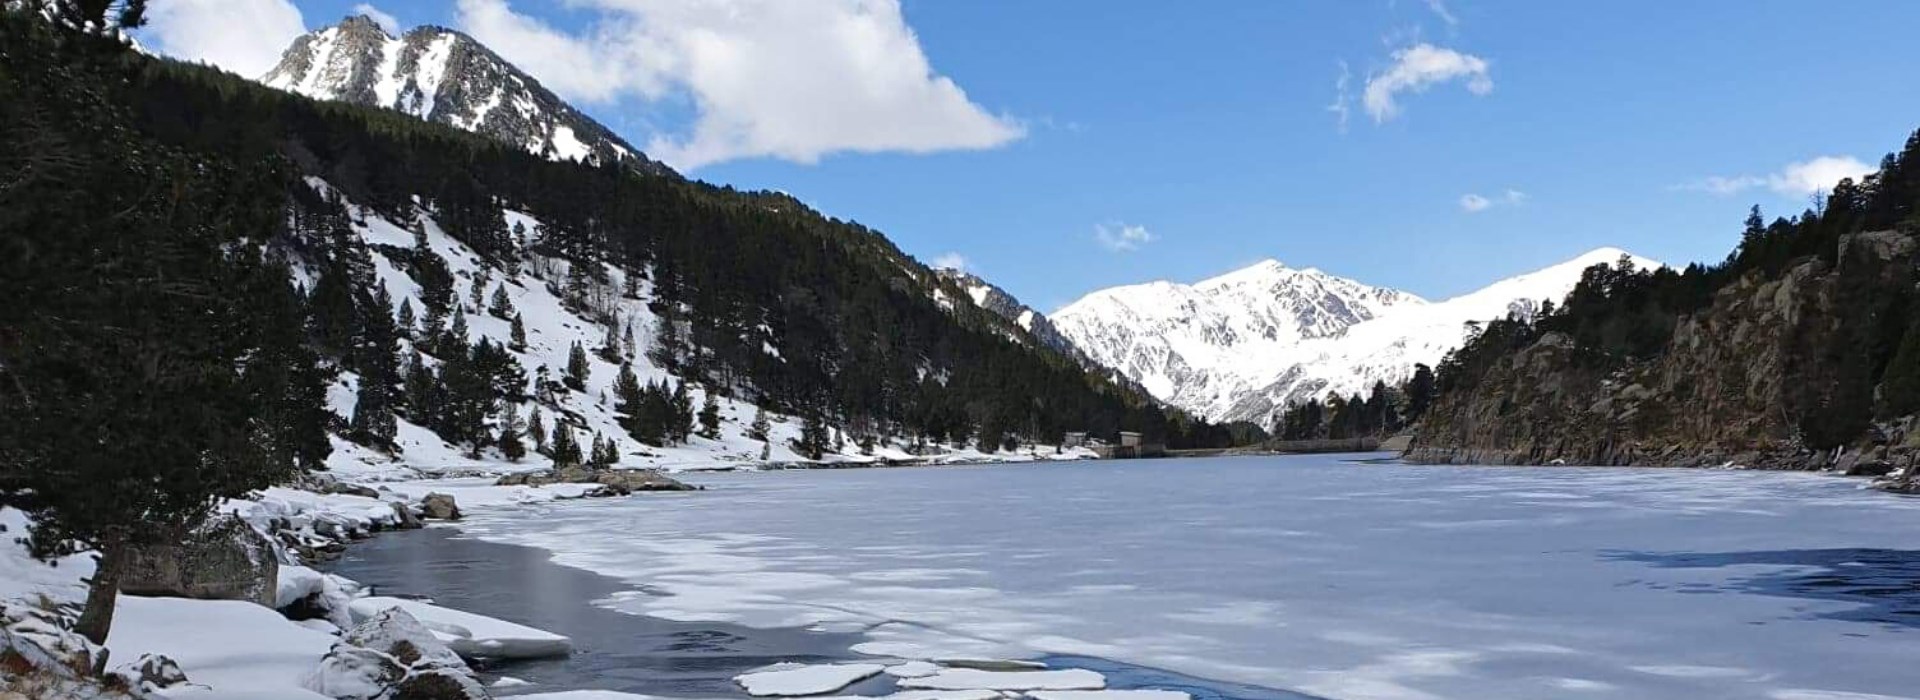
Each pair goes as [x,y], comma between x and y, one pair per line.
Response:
[224,560]
[403,517]
[390,656]
[439,506]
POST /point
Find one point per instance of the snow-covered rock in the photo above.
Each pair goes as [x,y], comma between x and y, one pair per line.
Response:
[1245,344]
[308,594]
[468,634]
[793,680]
[977,679]
[444,76]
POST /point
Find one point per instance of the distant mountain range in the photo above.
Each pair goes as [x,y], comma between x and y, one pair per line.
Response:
[444,76]
[1245,344]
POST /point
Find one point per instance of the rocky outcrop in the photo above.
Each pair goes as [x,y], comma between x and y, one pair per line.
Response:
[391,656]
[223,560]
[439,506]
[613,482]
[1733,387]
[152,672]
[447,77]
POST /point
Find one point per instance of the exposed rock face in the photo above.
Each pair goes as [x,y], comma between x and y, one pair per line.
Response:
[615,481]
[1732,387]
[225,560]
[444,76]
[991,297]
[439,506]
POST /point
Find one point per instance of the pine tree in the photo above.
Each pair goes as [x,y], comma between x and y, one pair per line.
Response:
[1420,393]
[710,416]
[405,325]
[456,337]
[537,429]
[436,281]
[421,391]
[151,358]
[477,293]
[502,307]
[610,349]
[510,431]
[564,451]
[1900,385]
[517,338]
[680,420]
[577,368]
[757,430]
[628,399]
[331,309]
[813,438]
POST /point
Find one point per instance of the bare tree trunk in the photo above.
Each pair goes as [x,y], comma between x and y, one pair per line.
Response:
[96,618]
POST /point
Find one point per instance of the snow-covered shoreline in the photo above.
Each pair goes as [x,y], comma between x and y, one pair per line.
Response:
[245,649]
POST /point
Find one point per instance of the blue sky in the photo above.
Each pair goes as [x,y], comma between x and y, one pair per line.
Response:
[1120,141]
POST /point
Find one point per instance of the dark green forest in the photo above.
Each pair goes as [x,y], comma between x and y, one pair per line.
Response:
[1868,370]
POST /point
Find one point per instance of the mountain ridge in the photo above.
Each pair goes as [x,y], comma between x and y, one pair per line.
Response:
[1244,344]
[446,76]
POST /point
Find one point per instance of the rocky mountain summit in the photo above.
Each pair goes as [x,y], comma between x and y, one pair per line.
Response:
[447,77]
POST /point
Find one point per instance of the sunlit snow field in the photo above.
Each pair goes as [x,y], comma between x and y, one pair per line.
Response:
[1304,573]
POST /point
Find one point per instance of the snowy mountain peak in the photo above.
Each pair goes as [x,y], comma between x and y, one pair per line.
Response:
[444,76]
[1243,344]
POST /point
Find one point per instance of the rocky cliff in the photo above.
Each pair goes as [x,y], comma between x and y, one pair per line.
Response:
[1735,385]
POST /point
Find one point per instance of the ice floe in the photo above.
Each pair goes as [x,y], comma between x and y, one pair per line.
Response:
[471,635]
[791,680]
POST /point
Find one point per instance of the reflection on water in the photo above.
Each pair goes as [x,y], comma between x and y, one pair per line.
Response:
[613,651]
[1884,583]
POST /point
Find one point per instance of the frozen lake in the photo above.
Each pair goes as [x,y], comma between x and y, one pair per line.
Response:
[1307,574]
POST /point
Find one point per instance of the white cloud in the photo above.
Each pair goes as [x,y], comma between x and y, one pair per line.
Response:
[1817,176]
[1810,177]
[1439,8]
[1342,106]
[767,78]
[1417,68]
[243,36]
[386,21]
[1473,203]
[1121,238]
[950,261]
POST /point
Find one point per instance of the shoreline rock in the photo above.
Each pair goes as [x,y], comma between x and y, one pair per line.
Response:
[613,482]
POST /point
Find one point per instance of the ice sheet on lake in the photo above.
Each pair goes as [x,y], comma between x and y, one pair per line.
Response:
[1356,582]
[793,680]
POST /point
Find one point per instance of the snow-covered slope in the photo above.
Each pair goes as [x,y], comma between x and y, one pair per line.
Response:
[535,288]
[1241,345]
[444,76]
